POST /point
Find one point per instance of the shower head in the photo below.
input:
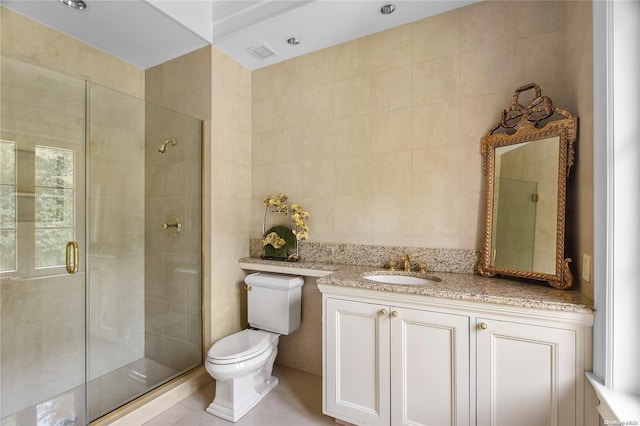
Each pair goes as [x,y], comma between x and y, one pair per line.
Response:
[163,146]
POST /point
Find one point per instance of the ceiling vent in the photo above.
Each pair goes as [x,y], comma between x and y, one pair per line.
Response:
[262,52]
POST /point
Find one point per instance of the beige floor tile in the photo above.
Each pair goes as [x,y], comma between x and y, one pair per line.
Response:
[297,400]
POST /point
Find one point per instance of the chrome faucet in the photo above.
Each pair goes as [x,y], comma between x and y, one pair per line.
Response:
[407,262]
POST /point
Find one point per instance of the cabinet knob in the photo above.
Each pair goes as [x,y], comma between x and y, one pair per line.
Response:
[383,312]
[394,314]
[482,326]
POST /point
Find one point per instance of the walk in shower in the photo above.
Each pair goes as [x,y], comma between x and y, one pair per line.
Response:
[100,246]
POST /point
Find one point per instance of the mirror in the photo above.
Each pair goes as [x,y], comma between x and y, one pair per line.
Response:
[527,159]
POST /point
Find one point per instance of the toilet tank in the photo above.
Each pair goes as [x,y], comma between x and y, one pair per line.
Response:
[274,301]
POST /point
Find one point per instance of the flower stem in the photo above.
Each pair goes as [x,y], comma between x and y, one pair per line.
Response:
[264,221]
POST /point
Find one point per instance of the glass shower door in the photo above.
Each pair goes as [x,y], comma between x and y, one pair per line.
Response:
[42,245]
[100,246]
[144,247]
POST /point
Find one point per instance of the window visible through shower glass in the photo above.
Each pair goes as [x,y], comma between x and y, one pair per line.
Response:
[54,196]
[51,187]
[8,255]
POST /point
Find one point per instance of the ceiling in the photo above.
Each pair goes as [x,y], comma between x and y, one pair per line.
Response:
[149,32]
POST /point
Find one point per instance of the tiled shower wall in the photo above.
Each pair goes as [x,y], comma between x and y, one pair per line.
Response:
[172,300]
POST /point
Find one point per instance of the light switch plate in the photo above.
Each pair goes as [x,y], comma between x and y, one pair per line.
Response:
[586,267]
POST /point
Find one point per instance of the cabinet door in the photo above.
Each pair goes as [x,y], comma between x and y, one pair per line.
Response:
[526,374]
[356,376]
[429,368]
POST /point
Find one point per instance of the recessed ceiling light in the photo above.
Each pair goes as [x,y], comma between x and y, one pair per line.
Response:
[293,41]
[387,9]
[75,4]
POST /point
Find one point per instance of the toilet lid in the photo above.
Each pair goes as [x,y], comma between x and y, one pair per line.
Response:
[240,345]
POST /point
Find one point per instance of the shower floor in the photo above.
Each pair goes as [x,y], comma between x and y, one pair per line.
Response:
[124,384]
[104,393]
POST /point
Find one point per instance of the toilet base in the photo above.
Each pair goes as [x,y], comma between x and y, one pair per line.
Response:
[232,409]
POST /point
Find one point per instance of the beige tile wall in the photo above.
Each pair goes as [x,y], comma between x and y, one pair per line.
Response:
[182,84]
[229,196]
[302,349]
[579,70]
[58,50]
[379,138]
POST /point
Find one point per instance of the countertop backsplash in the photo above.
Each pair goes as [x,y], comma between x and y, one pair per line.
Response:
[456,268]
[459,261]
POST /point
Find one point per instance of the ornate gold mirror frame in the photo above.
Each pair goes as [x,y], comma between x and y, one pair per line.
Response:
[527,158]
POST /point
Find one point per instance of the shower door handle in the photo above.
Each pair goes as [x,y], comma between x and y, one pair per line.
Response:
[72,252]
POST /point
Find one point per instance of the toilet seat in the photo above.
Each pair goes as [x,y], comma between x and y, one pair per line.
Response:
[239,346]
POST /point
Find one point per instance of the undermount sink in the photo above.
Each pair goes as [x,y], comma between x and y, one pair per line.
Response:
[401,279]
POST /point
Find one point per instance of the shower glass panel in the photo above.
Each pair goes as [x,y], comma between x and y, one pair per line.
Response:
[144,244]
[83,185]
[42,209]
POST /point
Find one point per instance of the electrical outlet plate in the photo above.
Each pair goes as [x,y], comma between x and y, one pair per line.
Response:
[586,267]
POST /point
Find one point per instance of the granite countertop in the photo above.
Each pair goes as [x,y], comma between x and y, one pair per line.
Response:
[314,266]
[468,287]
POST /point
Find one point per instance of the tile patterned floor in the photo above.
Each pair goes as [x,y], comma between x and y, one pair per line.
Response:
[296,401]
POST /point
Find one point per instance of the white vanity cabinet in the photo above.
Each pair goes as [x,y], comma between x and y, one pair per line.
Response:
[526,374]
[356,369]
[390,365]
[396,359]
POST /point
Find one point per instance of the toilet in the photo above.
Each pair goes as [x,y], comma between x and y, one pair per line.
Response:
[242,363]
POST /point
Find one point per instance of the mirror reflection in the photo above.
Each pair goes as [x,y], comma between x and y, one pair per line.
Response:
[525,204]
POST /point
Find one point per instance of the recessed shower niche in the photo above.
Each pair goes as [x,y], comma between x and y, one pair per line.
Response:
[80,163]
